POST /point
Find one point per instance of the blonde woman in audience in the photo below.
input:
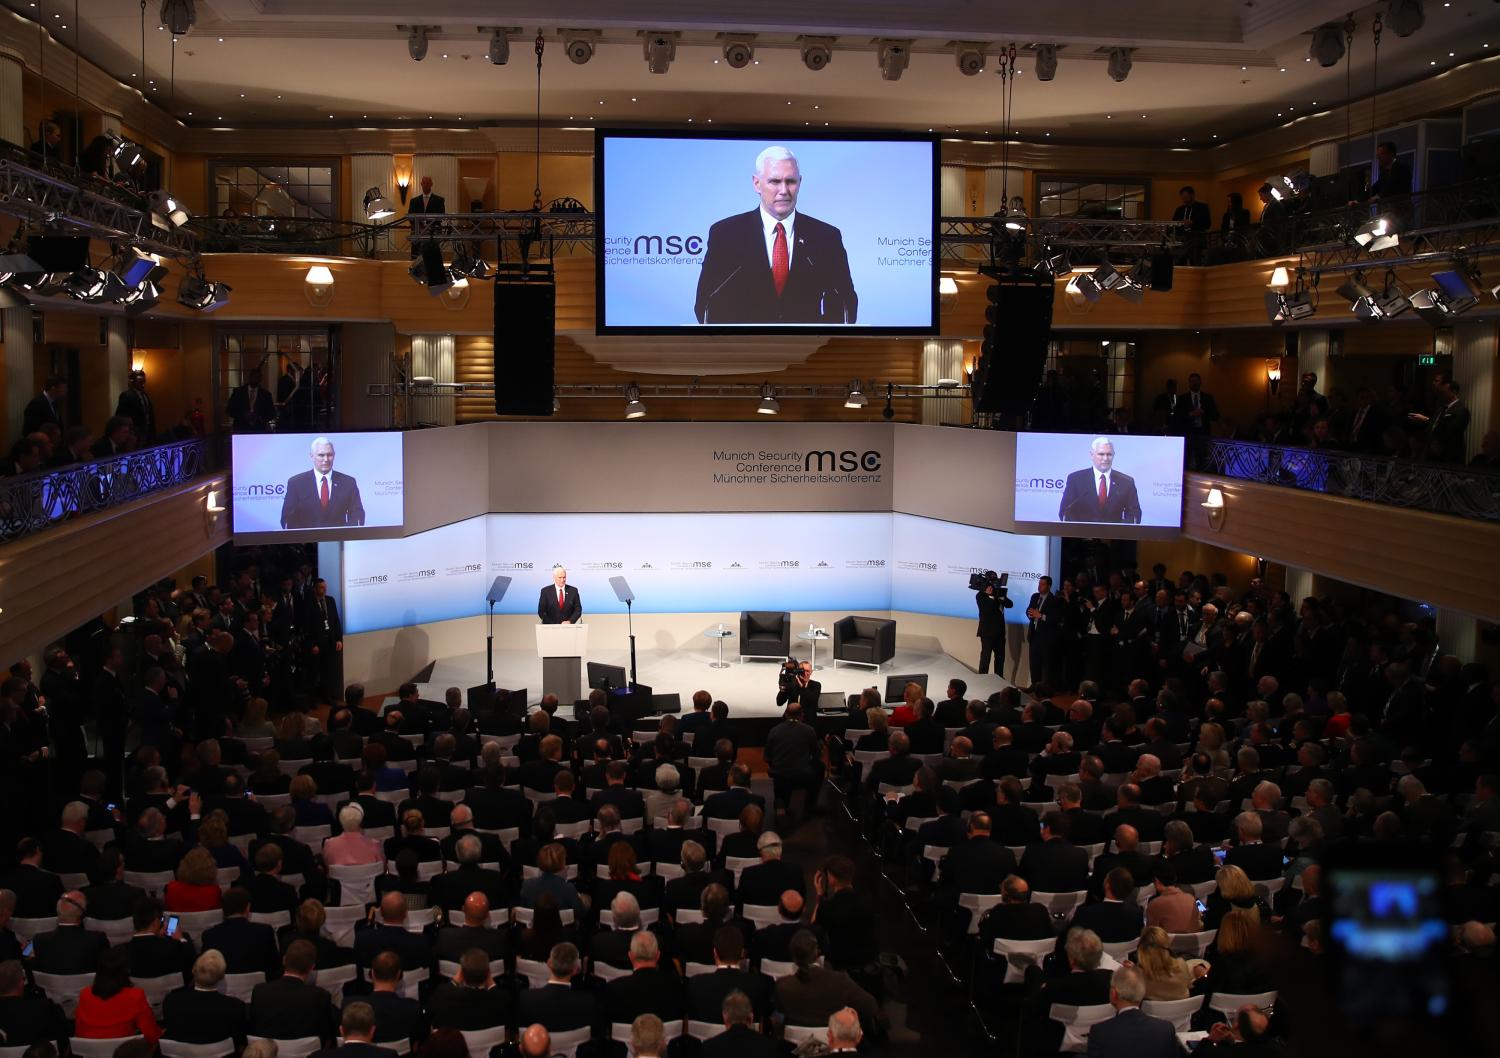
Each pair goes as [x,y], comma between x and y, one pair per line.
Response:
[1166,975]
[1235,892]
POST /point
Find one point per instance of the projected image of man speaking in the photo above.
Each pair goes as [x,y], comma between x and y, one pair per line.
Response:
[321,498]
[1100,493]
[773,264]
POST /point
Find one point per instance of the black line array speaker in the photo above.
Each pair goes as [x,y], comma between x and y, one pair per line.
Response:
[1010,366]
[525,326]
[1161,272]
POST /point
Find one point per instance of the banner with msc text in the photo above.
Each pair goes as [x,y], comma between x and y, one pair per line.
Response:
[681,563]
[280,481]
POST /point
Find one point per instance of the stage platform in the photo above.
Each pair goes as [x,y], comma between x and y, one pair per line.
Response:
[749,688]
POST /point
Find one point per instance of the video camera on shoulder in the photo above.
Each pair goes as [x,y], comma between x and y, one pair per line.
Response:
[989,578]
[791,672]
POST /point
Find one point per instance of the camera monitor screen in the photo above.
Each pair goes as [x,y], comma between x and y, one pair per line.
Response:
[318,485]
[1389,942]
[1118,486]
[773,232]
[605,677]
[895,686]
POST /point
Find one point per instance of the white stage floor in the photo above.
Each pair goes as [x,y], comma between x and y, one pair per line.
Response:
[748,688]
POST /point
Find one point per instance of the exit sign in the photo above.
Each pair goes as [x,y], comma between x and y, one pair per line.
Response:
[1426,360]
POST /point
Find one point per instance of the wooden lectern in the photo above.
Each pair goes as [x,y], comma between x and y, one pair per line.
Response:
[561,648]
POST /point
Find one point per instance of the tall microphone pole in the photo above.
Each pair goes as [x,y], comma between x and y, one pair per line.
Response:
[496,593]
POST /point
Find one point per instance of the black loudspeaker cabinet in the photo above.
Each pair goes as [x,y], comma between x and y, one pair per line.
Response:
[1007,380]
[1161,272]
[525,325]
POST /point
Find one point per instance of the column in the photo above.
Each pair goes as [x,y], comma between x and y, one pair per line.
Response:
[942,358]
[1458,634]
[432,357]
[1299,585]
[1001,184]
[117,360]
[1312,355]
[1475,346]
[378,171]
[1323,159]
[20,386]
[12,121]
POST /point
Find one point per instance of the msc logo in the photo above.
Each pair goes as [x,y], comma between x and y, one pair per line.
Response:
[672,245]
[515,565]
[845,460]
[471,567]
[244,491]
[1042,483]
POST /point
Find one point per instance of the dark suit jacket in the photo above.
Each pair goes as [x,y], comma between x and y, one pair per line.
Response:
[302,508]
[741,1041]
[203,1016]
[324,638]
[396,1017]
[706,992]
[112,900]
[68,950]
[1113,922]
[735,285]
[550,613]
[730,803]
[38,412]
[452,941]
[1080,499]
[1133,1034]
[247,418]
[434,204]
[1259,862]
[31,1017]
[1055,866]
[1196,214]
[136,406]
[246,946]
[289,1008]
[355,1050]
[978,865]
[454,1006]
[153,956]
[415,949]
[764,882]
[649,990]
[558,1008]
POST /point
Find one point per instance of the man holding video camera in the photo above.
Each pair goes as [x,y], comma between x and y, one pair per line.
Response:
[795,684]
[991,599]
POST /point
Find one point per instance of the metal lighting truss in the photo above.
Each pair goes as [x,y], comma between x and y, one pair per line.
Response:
[55,205]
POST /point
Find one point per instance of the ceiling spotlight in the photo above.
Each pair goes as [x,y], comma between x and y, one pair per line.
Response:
[635,408]
[739,49]
[970,58]
[1084,287]
[429,270]
[139,299]
[86,284]
[1297,305]
[196,292]
[579,44]
[1393,300]
[660,49]
[1053,265]
[893,56]
[376,206]
[467,262]
[178,16]
[769,405]
[1378,234]
[817,52]
[1327,45]
[855,397]
[1405,17]
[1362,300]
[126,155]
[135,267]
[499,53]
[1120,63]
[416,43]
[167,211]
[1046,62]
[1459,288]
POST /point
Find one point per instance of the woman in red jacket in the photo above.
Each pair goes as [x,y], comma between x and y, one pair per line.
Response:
[110,1009]
[196,887]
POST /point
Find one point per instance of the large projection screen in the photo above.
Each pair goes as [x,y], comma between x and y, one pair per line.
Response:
[1113,486]
[309,486]
[686,237]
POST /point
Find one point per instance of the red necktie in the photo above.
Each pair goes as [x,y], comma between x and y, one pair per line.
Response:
[779,262]
[1103,490]
[561,599]
[323,493]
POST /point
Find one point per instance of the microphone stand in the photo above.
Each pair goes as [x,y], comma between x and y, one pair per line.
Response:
[489,648]
[630,634]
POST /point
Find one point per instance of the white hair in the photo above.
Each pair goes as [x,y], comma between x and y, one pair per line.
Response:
[351,817]
[773,154]
[1096,442]
[319,440]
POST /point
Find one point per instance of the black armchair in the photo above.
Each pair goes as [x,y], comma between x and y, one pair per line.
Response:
[765,634]
[864,641]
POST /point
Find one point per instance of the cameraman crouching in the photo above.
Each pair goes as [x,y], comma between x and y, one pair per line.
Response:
[797,685]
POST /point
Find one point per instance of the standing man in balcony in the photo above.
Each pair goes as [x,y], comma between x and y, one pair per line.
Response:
[46,406]
[426,202]
[250,408]
[1196,414]
[135,404]
[1446,426]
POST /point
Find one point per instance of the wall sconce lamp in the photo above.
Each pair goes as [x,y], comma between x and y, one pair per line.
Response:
[1273,374]
[1280,278]
[318,285]
[947,293]
[403,184]
[1214,505]
[215,505]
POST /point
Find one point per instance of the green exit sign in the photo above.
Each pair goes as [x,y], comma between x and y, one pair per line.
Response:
[1426,360]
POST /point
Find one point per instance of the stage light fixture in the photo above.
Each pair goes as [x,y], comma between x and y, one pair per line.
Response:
[1132,287]
[196,292]
[416,42]
[1460,289]
[141,298]
[660,49]
[1298,305]
[178,16]
[579,44]
[817,52]
[1083,287]
[1378,234]
[739,49]
[1393,300]
[125,154]
[429,270]
[376,206]
[468,262]
[635,408]
[166,211]
[893,56]
[970,57]
[499,53]
[855,398]
[86,284]
[13,265]
[889,411]
[1290,185]
[42,284]
[1120,62]
[1327,46]
[135,267]
[1405,17]
[769,405]
[1053,265]
[1361,298]
[1046,62]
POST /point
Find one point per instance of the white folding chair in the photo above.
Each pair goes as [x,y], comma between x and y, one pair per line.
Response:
[74,880]
[536,972]
[1227,1003]
[312,835]
[99,838]
[977,904]
[1020,954]
[1094,851]
[762,914]
[193,923]
[689,914]
[241,985]
[524,915]
[1118,950]
[274,919]
[667,871]
[273,800]
[175,1049]
[1272,886]
[257,743]
[773,968]
[1076,1022]
[566,1044]
[63,989]
[292,767]
[338,922]
[480,1041]
[619,1031]
[151,881]
[298,1048]
[704,1030]
[736,864]
[83,1048]
[1201,890]
[227,876]
[798,1034]
[1178,1011]
[420,918]
[332,980]
[722,828]
[1059,904]
[572,830]
[156,988]
[1193,945]
[356,881]
[118,930]
[411,981]
[605,972]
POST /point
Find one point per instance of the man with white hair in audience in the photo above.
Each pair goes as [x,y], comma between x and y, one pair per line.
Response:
[1131,1033]
[668,790]
[612,946]
[844,1031]
[740,1038]
[352,847]
[650,988]
[648,1037]
[65,850]
[1265,801]
[199,1012]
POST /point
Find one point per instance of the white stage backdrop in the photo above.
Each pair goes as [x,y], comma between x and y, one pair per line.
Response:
[686,563]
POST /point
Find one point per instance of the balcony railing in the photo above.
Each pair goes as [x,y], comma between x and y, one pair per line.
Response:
[34,502]
[1464,492]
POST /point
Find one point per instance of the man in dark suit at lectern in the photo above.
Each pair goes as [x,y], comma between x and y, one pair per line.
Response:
[774,264]
[559,604]
[322,497]
[1100,493]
